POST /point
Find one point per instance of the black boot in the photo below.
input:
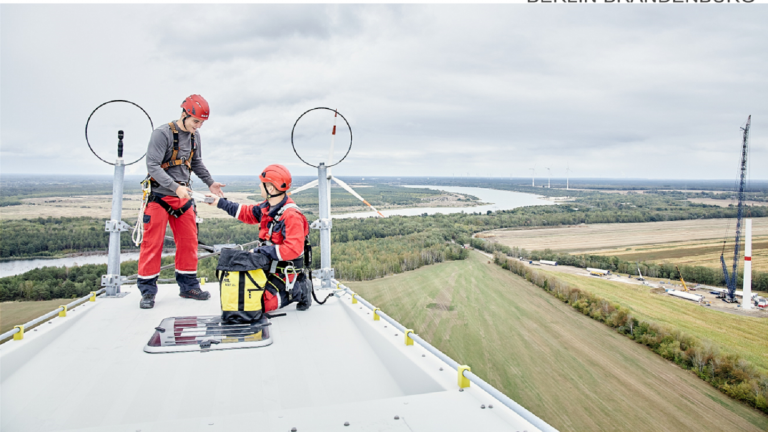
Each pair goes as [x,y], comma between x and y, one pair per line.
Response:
[147,301]
[195,293]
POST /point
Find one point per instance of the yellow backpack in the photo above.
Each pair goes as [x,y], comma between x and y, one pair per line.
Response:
[241,293]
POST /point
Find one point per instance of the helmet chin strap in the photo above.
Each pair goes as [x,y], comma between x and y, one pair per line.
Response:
[269,195]
[184,120]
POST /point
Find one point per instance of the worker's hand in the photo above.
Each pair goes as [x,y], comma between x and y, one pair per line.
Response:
[215,200]
[183,192]
[216,189]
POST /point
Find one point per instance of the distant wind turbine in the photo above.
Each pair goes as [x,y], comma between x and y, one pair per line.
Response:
[533,176]
[549,177]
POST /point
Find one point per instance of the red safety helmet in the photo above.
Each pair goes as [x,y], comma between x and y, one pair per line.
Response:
[196,106]
[278,175]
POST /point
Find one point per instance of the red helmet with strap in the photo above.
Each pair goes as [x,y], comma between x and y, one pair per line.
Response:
[196,106]
[278,175]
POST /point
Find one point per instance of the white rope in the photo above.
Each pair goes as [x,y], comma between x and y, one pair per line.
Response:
[138,230]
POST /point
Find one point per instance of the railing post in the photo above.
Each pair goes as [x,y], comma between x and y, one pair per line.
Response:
[408,340]
[463,381]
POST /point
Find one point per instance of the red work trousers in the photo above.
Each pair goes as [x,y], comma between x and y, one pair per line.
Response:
[184,234]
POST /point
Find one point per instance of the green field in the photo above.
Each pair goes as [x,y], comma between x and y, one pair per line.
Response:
[572,371]
[742,335]
[17,313]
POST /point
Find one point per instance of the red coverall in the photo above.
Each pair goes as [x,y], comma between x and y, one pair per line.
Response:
[184,234]
[288,235]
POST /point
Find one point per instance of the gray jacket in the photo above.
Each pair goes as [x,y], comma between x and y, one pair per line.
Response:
[160,150]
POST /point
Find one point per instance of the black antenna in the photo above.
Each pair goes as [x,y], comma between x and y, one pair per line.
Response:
[119,143]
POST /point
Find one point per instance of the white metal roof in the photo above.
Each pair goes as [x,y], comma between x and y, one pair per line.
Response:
[328,366]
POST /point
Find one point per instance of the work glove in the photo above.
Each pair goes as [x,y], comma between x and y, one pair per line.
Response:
[268,251]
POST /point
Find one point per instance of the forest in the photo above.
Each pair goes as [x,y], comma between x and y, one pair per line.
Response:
[363,248]
[55,236]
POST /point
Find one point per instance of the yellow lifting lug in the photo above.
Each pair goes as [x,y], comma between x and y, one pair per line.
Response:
[93,296]
[376,316]
[63,312]
[202,281]
[463,381]
[20,334]
[408,340]
[354,298]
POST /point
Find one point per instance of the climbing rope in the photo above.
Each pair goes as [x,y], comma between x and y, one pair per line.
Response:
[138,230]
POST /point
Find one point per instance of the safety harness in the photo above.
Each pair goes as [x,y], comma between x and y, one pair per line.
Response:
[302,264]
[148,183]
[175,160]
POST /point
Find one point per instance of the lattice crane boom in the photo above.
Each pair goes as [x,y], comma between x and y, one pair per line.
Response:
[730,280]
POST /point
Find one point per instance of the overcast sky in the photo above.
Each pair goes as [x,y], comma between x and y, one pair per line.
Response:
[624,91]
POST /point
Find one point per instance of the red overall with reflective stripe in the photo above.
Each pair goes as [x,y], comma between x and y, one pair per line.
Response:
[184,233]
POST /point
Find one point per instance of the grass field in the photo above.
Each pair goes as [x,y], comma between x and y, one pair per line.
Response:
[16,313]
[570,370]
[692,242]
[743,335]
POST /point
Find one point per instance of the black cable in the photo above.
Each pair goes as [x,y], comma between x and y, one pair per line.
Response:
[89,120]
[312,288]
[345,121]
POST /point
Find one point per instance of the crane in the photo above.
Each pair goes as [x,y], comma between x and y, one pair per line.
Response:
[641,278]
[681,279]
[730,279]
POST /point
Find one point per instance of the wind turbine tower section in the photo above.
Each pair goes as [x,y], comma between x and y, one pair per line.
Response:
[746,302]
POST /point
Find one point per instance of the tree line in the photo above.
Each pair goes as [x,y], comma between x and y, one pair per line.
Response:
[695,274]
[373,247]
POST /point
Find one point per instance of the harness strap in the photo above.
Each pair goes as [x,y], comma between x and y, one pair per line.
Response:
[278,218]
[170,210]
[175,160]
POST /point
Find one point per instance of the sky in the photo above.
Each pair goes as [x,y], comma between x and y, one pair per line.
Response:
[612,90]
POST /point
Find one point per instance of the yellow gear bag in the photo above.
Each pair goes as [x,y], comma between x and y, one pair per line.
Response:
[241,293]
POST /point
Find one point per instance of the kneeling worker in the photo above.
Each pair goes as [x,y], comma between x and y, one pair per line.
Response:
[283,231]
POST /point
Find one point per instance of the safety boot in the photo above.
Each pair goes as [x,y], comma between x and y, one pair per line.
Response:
[195,293]
[147,301]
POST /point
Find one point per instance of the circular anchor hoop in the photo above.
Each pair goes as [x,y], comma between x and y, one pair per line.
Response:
[345,121]
[94,112]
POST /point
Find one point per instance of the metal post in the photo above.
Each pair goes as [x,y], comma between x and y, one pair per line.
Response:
[112,280]
[323,186]
[746,302]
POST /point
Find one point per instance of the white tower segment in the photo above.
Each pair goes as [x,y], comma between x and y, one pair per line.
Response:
[746,302]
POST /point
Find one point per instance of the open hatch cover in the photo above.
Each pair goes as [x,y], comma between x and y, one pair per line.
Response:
[207,333]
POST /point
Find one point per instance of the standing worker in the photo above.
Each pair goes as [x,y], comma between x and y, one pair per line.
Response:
[174,153]
[283,232]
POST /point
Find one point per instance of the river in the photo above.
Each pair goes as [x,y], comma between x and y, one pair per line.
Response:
[496,199]
[12,268]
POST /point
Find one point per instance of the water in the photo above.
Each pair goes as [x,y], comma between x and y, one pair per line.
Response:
[12,268]
[496,199]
